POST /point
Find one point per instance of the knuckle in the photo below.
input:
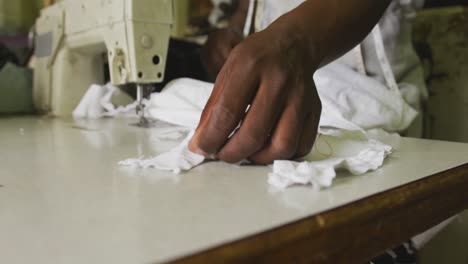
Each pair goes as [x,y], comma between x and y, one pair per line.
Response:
[255,140]
[284,148]
[278,76]
[276,83]
[244,146]
[282,75]
[251,63]
[237,51]
[222,117]
[245,55]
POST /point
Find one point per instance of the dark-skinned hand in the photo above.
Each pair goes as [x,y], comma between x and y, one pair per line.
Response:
[265,92]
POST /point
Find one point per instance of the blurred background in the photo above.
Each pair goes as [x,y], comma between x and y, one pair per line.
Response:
[17,19]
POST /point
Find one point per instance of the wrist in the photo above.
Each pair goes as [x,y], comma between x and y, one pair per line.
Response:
[237,20]
[293,37]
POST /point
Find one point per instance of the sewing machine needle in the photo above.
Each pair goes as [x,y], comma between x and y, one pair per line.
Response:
[141,107]
[139,93]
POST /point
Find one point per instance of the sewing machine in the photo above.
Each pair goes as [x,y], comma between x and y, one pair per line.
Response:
[75,39]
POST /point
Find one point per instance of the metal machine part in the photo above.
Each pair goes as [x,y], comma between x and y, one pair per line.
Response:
[73,35]
[143,91]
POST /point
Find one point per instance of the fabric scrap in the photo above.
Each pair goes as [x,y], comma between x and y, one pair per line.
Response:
[98,102]
[320,174]
[176,160]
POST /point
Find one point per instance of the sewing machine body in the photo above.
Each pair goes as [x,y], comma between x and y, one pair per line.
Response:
[76,38]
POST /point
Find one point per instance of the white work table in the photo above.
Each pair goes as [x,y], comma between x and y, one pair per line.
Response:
[64,199]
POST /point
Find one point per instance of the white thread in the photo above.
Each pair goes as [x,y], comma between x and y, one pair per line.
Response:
[360,65]
[249,19]
[383,60]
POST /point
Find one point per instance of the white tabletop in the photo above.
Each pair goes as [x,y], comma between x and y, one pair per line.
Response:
[64,199]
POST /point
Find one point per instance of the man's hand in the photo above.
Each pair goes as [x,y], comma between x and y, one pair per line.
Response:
[266,91]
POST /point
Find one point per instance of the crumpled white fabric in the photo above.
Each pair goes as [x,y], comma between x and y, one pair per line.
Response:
[349,101]
[176,160]
[97,103]
[320,174]
[344,119]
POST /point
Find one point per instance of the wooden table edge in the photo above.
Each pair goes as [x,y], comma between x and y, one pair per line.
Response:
[336,236]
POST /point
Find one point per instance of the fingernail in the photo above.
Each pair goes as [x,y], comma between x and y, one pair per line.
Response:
[195,149]
[204,154]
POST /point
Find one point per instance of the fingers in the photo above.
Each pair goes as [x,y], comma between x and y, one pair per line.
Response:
[234,90]
[295,134]
[282,120]
[259,121]
[285,139]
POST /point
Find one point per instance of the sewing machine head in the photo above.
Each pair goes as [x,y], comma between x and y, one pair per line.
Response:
[78,40]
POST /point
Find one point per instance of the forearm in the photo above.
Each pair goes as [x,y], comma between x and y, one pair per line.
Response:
[331,28]
[237,20]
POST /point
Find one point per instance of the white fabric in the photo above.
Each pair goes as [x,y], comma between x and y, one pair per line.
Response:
[319,173]
[97,103]
[89,106]
[349,101]
[180,102]
[361,100]
[346,96]
[176,160]
[342,126]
